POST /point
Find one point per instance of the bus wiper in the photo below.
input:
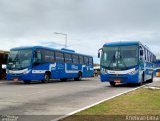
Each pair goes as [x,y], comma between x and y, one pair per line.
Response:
[123,62]
[122,58]
[113,58]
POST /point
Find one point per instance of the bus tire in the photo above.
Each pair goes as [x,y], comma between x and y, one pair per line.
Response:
[113,84]
[142,80]
[140,84]
[150,80]
[47,76]
[79,78]
[27,82]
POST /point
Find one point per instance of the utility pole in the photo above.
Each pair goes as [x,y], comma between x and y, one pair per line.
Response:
[65,45]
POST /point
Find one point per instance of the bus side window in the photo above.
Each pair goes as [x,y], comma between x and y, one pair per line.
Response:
[49,56]
[52,57]
[59,57]
[75,59]
[38,57]
[86,60]
[90,61]
[148,56]
[151,58]
[68,58]
[81,61]
[145,54]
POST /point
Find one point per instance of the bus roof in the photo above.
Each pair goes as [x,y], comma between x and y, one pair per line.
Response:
[42,47]
[120,43]
[125,43]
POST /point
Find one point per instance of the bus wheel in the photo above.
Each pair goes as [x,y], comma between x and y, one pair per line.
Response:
[27,82]
[150,80]
[46,77]
[79,78]
[113,84]
[142,80]
[140,84]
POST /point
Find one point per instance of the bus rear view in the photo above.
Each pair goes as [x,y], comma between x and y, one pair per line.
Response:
[122,63]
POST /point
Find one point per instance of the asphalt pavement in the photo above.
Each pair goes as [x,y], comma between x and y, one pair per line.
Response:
[43,102]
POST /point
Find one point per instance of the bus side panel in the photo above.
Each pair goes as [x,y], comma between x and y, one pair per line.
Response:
[91,71]
[39,71]
[88,71]
[59,72]
[71,70]
[148,70]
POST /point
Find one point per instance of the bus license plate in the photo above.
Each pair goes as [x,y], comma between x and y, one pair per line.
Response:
[15,79]
[117,81]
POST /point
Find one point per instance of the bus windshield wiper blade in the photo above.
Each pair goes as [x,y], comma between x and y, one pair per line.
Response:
[113,58]
[123,61]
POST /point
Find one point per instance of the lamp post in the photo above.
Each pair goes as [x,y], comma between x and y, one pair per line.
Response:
[65,46]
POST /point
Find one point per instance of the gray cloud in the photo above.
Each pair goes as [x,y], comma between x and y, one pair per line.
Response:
[51,44]
[86,22]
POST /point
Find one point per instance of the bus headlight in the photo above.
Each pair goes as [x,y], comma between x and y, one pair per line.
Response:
[26,72]
[133,72]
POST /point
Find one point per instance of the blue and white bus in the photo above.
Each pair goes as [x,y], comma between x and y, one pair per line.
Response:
[126,62]
[43,63]
[157,68]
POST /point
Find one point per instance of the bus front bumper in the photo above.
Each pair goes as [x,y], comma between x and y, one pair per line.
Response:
[121,79]
[18,77]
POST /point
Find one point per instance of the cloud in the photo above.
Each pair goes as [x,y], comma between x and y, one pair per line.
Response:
[88,24]
[51,44]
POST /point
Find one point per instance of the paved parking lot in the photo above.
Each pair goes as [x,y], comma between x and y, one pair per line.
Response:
[54,99]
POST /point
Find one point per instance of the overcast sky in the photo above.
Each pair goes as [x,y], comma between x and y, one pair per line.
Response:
[88,23]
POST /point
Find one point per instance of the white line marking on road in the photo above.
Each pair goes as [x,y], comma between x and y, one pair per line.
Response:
[69,114]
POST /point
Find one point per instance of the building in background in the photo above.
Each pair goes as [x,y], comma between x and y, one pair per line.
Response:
[157,68]
[3,62]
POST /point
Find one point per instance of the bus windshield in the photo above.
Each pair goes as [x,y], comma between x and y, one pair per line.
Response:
[119,57]
[19,59]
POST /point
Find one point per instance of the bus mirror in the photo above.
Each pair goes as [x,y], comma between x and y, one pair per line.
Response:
[99,53]
[141,52]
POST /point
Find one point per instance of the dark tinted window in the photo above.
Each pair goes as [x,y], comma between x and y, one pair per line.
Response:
[81,61]
[86,60]
[68,58]
[145,54]
[59,57]
[49,56]
[148,56]
[90,61]
[75,59]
